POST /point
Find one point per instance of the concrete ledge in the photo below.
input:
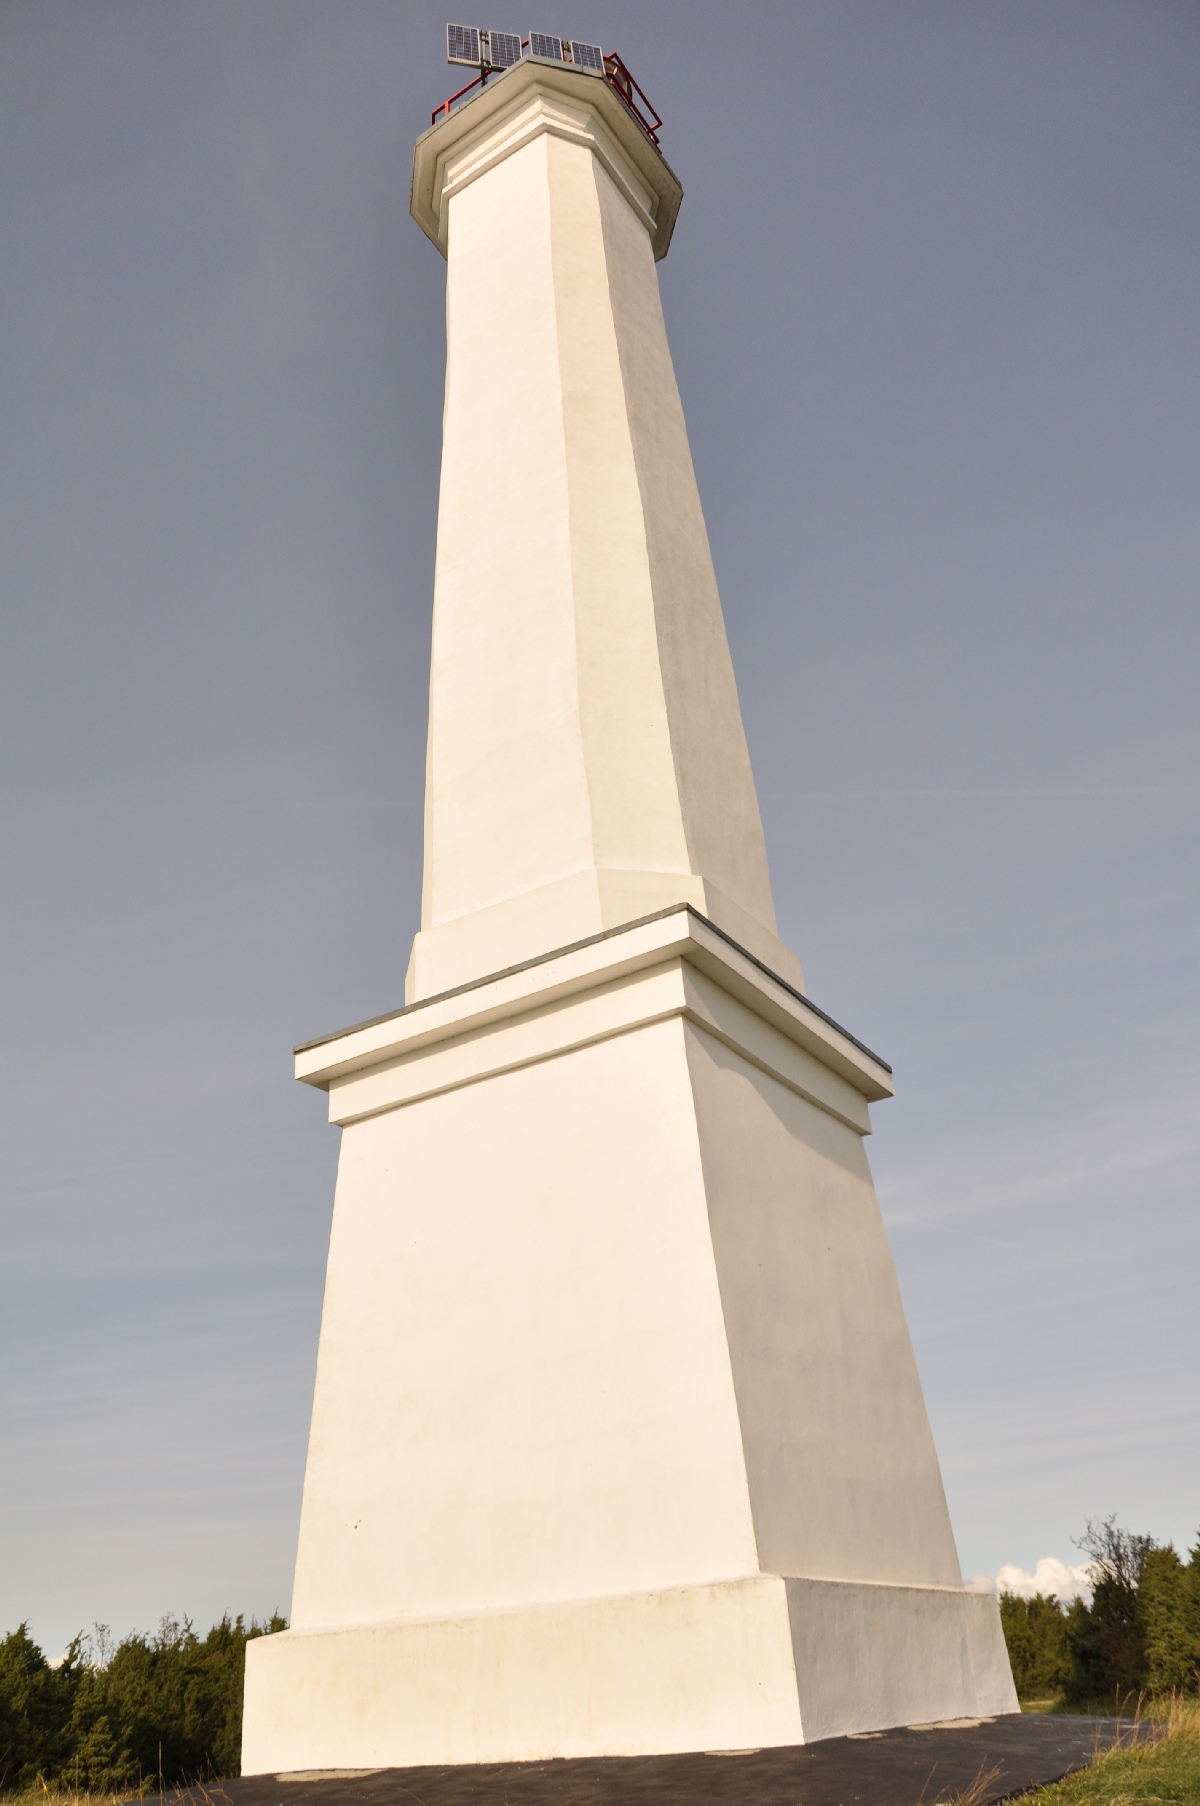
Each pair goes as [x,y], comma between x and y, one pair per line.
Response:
[622,1006]
[654,1671]
[672,935]
[527,100]
[749,1663]
[870,1657]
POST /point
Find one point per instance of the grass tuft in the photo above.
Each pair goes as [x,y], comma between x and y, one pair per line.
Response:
[43,1793]
[1162,1769]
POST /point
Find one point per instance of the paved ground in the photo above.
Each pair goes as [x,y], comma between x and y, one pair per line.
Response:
[990,1760]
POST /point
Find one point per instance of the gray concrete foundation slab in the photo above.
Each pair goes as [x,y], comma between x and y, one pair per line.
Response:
[992,1760]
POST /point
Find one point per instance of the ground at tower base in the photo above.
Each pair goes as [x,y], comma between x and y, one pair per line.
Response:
[968,1763]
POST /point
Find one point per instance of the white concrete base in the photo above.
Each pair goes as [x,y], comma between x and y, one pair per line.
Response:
[618,1442]
[742,1664]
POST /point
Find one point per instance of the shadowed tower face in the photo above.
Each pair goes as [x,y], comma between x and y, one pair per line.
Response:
[587,763]
[618,1442]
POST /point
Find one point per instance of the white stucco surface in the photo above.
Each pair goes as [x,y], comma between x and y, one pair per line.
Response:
[613,1383]
[746,1664]
[618,1442]
[697,1668]
[544,1344]
[587,763]
[842,1471]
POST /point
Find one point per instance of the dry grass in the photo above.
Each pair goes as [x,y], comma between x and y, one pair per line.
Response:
[211,1793]
[1162,1769]
[53,1793]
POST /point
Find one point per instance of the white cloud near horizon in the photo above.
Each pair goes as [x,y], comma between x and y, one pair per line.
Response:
[1050,1577]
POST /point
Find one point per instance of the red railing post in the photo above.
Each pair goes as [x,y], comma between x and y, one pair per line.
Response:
[616,74]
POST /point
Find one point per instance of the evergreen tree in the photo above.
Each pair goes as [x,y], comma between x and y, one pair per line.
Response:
[1035,1631]
[1107,1644]
[35,1709]
[1169,1607]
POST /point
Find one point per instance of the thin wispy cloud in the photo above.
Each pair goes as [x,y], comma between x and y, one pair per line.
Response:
[1052,792]
[1134,1148]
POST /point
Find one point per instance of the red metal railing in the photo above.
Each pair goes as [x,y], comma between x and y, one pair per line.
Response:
[444,111]
[634,97]
[615,74]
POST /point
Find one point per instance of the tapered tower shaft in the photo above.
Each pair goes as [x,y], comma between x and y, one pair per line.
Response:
[587,763]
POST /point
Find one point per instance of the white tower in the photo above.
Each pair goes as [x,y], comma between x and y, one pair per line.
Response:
[618,1443]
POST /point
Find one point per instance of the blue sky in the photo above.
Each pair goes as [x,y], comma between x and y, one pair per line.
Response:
[933,301]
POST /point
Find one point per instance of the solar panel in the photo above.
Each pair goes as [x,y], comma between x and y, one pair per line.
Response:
[541,45]
[504,49]
[587,56]
[462,45]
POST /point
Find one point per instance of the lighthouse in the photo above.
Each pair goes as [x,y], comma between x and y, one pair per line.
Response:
[618,1443]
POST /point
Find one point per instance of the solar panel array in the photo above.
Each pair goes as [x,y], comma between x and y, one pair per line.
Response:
[540,44]
[587,56]
[501,49]
[462,45]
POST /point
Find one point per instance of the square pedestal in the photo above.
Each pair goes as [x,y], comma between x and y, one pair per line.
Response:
[618,1442]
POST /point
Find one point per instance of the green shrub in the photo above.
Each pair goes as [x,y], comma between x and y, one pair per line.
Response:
[1035,1631]
[108,1718]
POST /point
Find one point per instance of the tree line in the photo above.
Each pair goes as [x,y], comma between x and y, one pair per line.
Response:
[1139,1636]
[163,1709]
[141,1714]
